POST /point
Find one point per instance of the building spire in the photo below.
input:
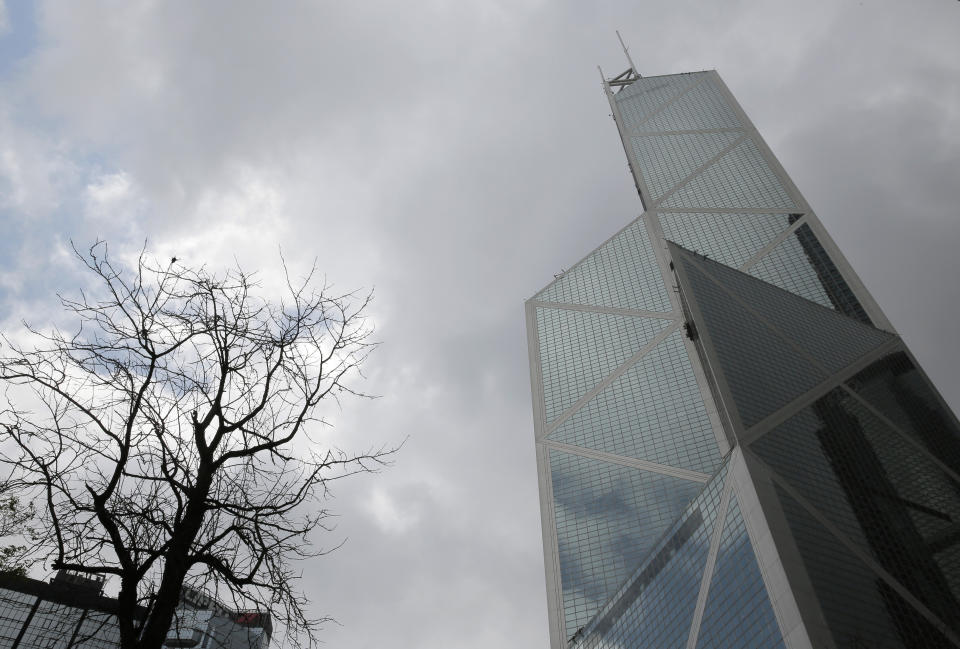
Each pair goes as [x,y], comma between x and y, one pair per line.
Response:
[626,51]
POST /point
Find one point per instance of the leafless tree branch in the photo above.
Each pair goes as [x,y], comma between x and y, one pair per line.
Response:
[178,443]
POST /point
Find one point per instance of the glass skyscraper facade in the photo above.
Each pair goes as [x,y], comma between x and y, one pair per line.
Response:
[735,448]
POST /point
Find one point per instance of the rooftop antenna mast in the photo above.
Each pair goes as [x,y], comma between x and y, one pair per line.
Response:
[626,51]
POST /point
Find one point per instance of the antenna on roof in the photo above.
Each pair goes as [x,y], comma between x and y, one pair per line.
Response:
[626,51]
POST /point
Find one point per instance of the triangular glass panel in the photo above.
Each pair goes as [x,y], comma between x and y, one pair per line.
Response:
[878,489]
[860,608]
[762,370]
[836,287]
[897,389]
[622,273]
[643,97]
[731,239]
[702,107]
[741,178]
[832,338]
[653,412]
[665,160]
[658,600]
[909,491]
[607,517]
[578,349]
[794,450]
[788,267]
[738,612]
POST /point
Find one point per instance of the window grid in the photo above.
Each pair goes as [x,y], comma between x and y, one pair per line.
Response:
[98,631]
[789,268]
[608,517]
[763,372]
[578,349]
[897,389]
[741,178]
[623,273]
[731,239]
[654,609]
[834,339]
[738,612]
[51,626]
[860,608]
[642,97]
[703,107]
[653,412]
[833,283]
[14,609]
[665,160]
[879,491]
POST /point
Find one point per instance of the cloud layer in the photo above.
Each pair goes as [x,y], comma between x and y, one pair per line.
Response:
[454,157]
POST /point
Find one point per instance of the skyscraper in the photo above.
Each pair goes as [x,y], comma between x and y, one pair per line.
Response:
[735,448]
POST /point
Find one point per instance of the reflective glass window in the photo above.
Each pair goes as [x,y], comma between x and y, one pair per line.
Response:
[701,107]
[860,608]
[741,178]
[731,239]
[653,412]
[763,371]
[738,612]
[641,99]
[654,608]
[665,160]
[608,517]
[578,349]
[622,273]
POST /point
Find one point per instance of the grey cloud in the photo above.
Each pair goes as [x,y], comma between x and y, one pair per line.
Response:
[456,157]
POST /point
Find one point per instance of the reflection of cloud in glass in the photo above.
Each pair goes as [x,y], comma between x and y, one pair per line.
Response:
[608,517]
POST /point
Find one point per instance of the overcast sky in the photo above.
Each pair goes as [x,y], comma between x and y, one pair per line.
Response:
[454,155]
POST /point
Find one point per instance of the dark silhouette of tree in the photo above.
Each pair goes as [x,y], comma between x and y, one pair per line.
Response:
[15,519]
[172,440]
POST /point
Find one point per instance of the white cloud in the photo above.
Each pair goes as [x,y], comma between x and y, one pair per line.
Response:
[390,515]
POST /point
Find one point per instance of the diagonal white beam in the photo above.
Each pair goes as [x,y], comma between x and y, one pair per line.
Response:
[855,549]
[712,553]
[613,376]
[590,308]
[763,252]
[697,171]
[645,465]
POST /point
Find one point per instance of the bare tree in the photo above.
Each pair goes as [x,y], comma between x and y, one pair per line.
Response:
[176,442]
[15,519]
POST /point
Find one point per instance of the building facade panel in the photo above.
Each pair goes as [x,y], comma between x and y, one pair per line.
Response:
[640,102]
[669,158]
[578,349]
[651,412]
[608,516]
[740,178]
[702,107]
[655,608]
[862,609]
[738,612]
[621,274]
[731,239]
